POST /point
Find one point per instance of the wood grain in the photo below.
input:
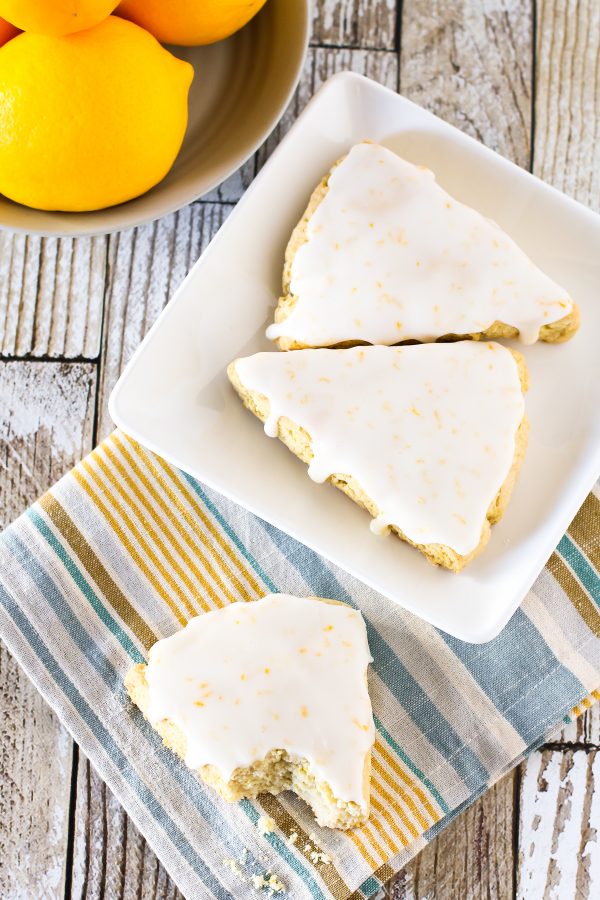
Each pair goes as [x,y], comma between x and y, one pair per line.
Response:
[321,63]
[51,292]
[560,826]
[111,858]
[146,264]
[45,427]
[567,97]
[35,774]
[471,858]
[471,64]
[355,23]
[46,424]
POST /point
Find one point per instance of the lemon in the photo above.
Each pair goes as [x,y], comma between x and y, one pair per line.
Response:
[91,119]
[56,16]
[190,21]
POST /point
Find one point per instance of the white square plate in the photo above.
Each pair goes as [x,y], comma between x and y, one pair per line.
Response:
[174,396]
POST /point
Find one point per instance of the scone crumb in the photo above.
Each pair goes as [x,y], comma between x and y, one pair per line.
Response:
[265,825]
[293,837]
[234,867]
[270,881]
[276,884]
[316,855]
[267,881]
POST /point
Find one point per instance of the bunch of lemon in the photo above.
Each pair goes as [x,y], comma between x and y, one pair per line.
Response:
[93,109]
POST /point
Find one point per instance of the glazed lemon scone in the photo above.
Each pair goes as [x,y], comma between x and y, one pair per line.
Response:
[268,696]
[428,437]
[384,255]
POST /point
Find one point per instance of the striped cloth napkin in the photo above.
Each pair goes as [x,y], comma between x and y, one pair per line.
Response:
[125,548]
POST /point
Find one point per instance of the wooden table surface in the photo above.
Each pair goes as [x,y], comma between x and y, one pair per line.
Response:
[521,76]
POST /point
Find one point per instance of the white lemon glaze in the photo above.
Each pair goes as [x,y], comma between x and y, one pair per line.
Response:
[283,672]
[428,431]
[391,256]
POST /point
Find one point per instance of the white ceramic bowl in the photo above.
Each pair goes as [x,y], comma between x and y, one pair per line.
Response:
[241,87]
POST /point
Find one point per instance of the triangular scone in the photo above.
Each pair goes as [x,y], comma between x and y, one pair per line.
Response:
[428,438]
[383,255]
[267,696]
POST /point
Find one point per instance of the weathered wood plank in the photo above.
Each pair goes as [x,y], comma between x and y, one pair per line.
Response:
[471,858]
[111,858]
[560,825]
[45,426]
[567,148]
[584,730]
[567,100]
[470,63]
[51,292]
[35,775]
[146,264]
[355,23]
[321,63]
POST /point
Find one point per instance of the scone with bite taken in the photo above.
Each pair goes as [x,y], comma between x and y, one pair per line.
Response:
[268,696]
[383,255]
[428,438]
